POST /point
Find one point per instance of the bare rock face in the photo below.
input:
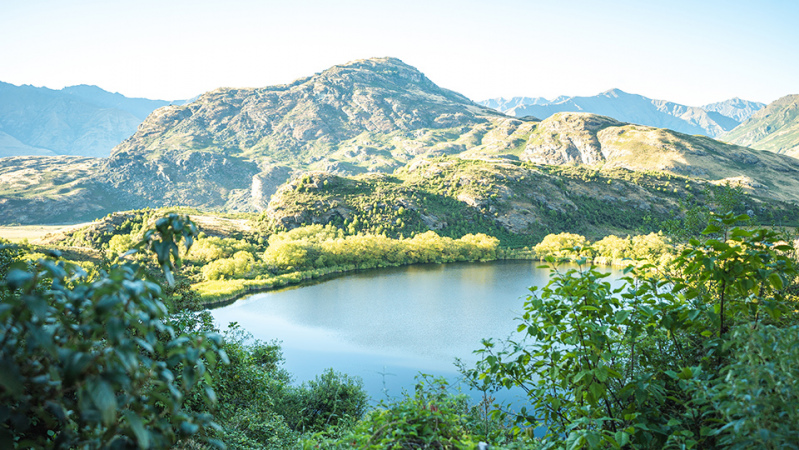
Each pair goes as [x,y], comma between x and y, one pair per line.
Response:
[199,179]
[265,184]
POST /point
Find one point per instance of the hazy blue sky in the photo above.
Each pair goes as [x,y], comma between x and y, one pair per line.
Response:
[693,51]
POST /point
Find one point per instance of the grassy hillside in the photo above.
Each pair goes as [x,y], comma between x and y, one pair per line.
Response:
[517,202]
[597,141]
[774,128]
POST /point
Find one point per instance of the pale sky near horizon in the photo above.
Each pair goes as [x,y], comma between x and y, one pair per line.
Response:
[686,51]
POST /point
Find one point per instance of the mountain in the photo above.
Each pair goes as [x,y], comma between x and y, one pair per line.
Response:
[735,108]
[309,117]
[11,146]
[372,115]
[774,128]
[589,139]
[633,108]
[507,104]
[77,120]
[234,149]
[56,189]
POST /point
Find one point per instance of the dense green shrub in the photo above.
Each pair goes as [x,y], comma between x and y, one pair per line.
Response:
[562,245]
[94,362]
[692,359]
[248,390]
[241,265]
[429,418]
[325,401]
[315,246]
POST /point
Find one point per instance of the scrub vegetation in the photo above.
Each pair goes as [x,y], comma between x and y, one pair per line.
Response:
[690,352]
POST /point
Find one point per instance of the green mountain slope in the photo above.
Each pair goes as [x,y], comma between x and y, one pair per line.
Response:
[517,202]
[774,128]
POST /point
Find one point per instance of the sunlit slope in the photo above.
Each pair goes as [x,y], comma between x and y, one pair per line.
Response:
[774,128]
[508,199]
[598,141]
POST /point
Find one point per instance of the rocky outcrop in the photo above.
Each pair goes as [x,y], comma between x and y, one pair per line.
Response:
[568,138]
[286,213]
[266,183]
[199,179]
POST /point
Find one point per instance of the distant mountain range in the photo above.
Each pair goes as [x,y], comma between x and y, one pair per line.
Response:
[231,149]
[774,128]
[77,120]
[709,120]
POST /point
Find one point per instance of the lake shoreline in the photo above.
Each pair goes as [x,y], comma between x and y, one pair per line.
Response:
[387,325]
[243,288]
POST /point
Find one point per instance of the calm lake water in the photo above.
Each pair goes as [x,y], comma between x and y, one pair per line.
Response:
[388,325]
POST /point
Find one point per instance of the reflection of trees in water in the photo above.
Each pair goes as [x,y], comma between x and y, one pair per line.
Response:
[435,311]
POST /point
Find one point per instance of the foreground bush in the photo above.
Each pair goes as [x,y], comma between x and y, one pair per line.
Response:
[93,362]
[701,358]
[429,418]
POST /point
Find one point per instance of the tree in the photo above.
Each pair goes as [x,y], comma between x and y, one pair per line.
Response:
[94,362]
[690,359]
[563,245]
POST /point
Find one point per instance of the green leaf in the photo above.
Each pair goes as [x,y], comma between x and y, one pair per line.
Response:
[38,306]
[622,438]
[622,315]
[9,376]
[137,426]
[597,390]
[17,278]
[188,428]
[592,439]
[210,394]
[776,281]
[581,375]
[104,399]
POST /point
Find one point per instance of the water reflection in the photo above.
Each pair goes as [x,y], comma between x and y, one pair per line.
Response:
[400,321]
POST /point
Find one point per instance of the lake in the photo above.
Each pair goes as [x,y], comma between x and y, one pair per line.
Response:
[388,325]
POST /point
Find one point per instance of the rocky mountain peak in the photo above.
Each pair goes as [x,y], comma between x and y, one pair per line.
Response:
[370,95]
[615,93]
[735,108]
[344,112]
